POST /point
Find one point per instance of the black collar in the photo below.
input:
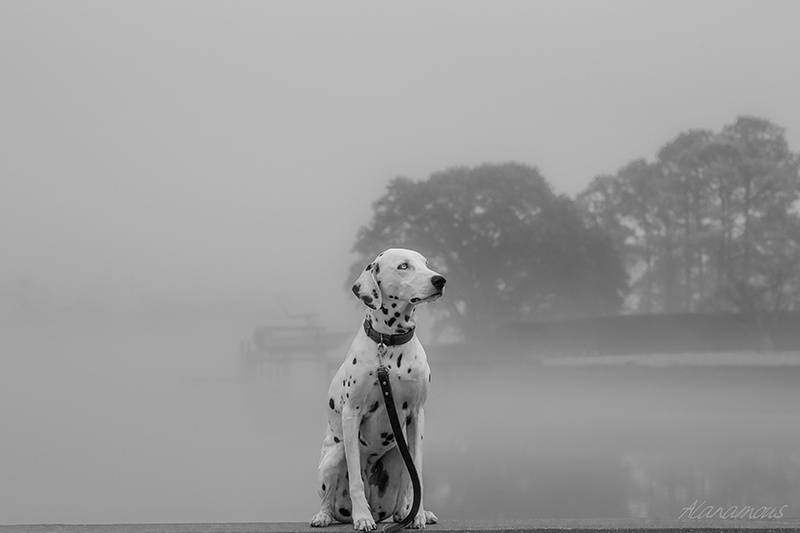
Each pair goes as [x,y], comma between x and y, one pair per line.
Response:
[387,340]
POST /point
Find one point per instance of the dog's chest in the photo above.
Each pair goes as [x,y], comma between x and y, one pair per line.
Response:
[409,376]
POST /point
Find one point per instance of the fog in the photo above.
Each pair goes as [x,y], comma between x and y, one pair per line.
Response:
[197,152]
[174,175]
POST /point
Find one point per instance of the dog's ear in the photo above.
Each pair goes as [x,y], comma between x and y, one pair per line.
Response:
[366,287]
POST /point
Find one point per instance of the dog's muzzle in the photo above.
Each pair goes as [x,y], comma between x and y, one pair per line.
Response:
[438,283]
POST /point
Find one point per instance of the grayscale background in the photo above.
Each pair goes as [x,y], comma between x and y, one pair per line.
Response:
[174,175]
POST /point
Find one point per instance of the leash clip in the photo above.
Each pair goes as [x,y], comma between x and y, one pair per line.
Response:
[381,346]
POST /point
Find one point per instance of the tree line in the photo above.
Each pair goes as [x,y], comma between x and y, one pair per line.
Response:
[713,223]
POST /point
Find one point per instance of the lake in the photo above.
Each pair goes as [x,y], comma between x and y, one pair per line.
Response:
[148,421]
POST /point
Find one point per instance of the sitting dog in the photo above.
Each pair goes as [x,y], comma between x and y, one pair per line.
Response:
[362,477]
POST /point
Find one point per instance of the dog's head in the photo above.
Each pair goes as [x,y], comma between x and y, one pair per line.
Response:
[398,274]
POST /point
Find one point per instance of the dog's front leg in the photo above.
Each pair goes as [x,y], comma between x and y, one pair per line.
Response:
[415,430]
[351,422]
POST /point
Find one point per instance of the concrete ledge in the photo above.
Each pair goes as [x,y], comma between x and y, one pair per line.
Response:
[447,526]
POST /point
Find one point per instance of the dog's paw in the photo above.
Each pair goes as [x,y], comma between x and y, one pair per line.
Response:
[364,523]
[321,519]
[423,518]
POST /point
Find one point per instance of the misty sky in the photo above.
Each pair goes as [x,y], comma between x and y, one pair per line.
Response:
[201,151]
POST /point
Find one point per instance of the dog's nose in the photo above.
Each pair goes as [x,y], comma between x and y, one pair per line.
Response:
[438,282]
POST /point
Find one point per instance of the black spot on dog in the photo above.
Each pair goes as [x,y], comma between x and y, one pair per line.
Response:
[379,477]
[344,511]
[336,439]
[408,420]
[381,515]
[374,293]
[399,359]
[354,360]
[367,300]
[369,267]
[391,322]
[408,317]
[323,487]
[357,289]
[409,370]
[331,404]
[396,314]
[385,311]
[377,268]
[405,405]
[374,407]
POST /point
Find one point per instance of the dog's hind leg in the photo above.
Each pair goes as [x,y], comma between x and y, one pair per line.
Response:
[385,477]
[332,476]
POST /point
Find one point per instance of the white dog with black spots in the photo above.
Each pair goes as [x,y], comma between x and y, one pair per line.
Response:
[362,478]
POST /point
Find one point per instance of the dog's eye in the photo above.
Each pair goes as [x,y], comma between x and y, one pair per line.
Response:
[402,266]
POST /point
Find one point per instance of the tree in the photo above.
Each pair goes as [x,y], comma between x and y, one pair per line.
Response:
[510,248]
[761,183]
[763,179]
[685,203]
[626,206]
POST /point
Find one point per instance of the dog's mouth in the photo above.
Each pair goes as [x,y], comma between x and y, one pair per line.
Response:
[427,299]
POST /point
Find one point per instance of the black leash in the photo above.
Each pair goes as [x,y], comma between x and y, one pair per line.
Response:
[388,399]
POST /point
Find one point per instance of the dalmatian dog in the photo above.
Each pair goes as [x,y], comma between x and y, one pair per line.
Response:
[362,477]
